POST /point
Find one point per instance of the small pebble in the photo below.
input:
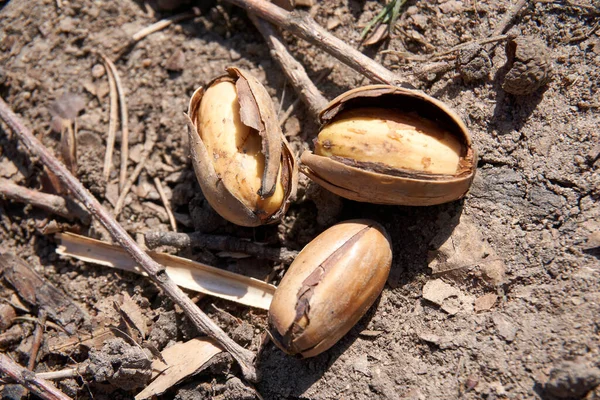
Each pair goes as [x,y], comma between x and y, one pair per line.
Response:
[98,71]
[176,62]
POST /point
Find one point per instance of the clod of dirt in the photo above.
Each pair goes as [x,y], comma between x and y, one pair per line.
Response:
[176,63]
[164,330]
[572,380]
[529,65]
[449,298]
[122,365]
[465,251]
[243,333]
[233,388]
[473,63]
[506,329]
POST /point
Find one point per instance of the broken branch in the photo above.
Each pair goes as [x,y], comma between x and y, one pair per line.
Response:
[303,26]
[295,72]
[155,271]
[41,387]
[55,204]
[220,243]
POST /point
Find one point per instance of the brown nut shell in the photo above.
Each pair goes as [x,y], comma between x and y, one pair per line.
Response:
[257,114]
[378,182]
[330,285]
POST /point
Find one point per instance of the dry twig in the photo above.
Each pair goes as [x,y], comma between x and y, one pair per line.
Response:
[509,16]
[38,335]
[113,119]
[155,271]
[302,25]
[155,27]
[221,243]
[148,146]
[163,198]
[295,72]
[54,204]
[41,387]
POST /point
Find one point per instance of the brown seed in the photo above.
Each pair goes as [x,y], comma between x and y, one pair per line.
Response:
[329,287]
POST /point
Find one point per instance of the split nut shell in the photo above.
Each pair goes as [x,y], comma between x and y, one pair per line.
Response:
[243,163]
[330,285]
[388,145]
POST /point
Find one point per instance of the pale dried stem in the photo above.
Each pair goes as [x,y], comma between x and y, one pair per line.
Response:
[508,17]
[165,201]
[162,24]
[41,387]
[303,26]
[155,271]
[295,72]
[124,123]
[290,109]
[113,120]
[49,202]
[148,146]
[57,375]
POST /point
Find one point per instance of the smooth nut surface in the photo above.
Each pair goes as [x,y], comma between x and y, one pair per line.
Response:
[389,145]
[329,287]
[236,148]
[379,135]
[243,162]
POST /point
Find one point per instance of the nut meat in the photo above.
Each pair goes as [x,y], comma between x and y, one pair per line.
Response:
[329,287]
[243,162]
[388,145]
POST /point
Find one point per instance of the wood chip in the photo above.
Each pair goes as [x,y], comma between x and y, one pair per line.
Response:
[59,344]
[449,298]
[485,302]
[134,314]
[186,273]
[465,249]
[37,292]
[183,359]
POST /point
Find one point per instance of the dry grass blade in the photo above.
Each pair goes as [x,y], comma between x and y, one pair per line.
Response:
[182,360]
[163,198]
[113,120]
[148,146]
[124,120]
[185,273]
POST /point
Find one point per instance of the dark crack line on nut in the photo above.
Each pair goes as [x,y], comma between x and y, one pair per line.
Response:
[309,284]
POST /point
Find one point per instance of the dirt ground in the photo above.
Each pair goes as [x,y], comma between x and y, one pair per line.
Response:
[529,229]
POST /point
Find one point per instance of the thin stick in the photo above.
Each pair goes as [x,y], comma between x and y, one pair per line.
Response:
[124,122]
[113,119]
[41,387]
[162,24]
[508,17]
[163,198]
[54,204]
[220,243]
[148,146]
[295,72]
[155,271]
[62,374]
[292,106]
[448,52]
[38,335]
[302,25]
